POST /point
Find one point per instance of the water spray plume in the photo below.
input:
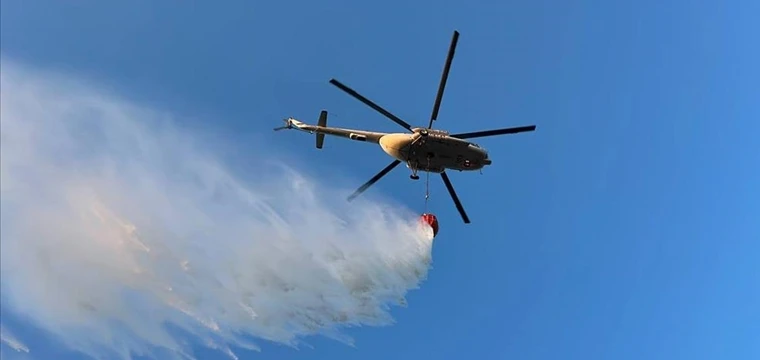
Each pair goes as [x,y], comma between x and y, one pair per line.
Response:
[122,234]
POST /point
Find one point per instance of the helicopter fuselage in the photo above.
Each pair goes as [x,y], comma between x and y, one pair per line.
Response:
[434,151]
[424,149]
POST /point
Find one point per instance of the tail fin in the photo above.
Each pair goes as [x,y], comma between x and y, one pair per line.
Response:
[322,123]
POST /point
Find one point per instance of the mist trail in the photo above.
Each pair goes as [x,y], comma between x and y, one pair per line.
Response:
[117,223]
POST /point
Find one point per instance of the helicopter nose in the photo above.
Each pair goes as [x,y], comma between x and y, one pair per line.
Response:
[479,150]
[484,154]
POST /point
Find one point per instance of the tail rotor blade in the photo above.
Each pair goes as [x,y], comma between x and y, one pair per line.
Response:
[374,179]
[287,125]
[512,130]
[371,104]
[454,197]
[444,78]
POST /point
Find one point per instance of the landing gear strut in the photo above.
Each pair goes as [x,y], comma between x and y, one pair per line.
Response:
[414,166]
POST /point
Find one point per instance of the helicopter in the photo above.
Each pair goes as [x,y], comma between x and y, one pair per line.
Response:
[422,149]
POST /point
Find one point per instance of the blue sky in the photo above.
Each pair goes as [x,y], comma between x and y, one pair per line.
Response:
[625,227]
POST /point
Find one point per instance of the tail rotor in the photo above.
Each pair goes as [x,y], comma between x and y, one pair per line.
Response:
[288,125]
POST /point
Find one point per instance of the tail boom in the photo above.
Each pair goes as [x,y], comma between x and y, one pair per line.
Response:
[321,129]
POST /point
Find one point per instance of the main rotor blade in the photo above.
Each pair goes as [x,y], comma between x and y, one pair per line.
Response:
[444,78]
[369,103]
[374,179]
[513,130]
[455,197]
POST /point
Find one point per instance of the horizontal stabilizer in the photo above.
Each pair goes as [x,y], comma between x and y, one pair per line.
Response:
[321,123]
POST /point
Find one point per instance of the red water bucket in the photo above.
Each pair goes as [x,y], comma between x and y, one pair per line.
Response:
[430,220]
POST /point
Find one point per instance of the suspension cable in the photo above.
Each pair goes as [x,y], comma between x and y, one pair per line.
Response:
[427,185]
